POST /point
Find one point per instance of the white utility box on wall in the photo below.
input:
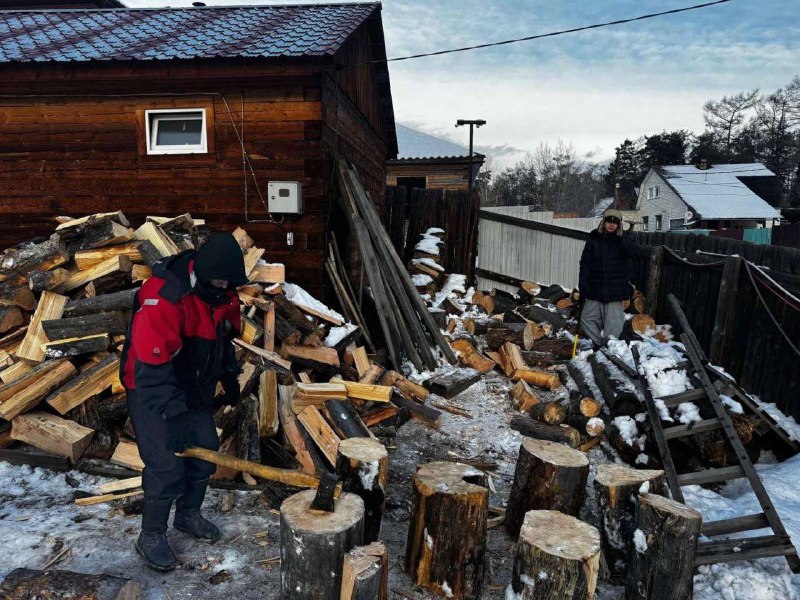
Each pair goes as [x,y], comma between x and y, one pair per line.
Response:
[285,197]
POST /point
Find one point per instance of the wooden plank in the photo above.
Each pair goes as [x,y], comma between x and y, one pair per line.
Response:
[323,435]
[695,427]
[51,306]
[735,525]
[722,333]
[361,361]
[89,383]
[16,371]
[764,546]
[654,279]
[52,434]
[712,476]
[271,359]
[269,328]
[395,265]
[268,421]
[121,485]
[680,398]
[126,454]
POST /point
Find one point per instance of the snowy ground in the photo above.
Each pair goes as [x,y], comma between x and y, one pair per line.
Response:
[39,521]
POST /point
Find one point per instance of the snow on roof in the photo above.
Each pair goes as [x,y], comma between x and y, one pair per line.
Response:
[415,144]
[718,193]
[602,205]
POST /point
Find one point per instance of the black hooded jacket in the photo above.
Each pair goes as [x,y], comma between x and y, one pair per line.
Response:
[604,271]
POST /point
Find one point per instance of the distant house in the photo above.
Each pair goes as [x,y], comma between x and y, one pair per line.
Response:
[709,197]
[426,161]
[631,217]
[164,111]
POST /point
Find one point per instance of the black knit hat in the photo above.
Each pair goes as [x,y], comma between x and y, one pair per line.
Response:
[220,258]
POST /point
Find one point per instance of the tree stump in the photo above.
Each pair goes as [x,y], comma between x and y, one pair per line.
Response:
[617,489]
[362,464]
[21,584]
[447,534]
[313,545]
[558,556]
[549,476]
[661,563]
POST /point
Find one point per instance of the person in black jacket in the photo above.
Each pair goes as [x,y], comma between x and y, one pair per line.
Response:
[179,345]
[603,282]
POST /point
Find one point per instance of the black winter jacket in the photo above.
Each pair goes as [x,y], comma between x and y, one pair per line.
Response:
[604,267]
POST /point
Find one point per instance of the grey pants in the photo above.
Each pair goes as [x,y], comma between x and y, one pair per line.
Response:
[601,320]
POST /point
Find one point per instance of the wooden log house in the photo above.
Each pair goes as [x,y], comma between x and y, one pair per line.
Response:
[248,95]
[426,161]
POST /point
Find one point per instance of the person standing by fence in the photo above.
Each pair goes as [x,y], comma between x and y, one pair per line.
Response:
[604,280]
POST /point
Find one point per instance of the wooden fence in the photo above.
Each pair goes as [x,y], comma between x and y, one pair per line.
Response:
[512,248]
[741,314]
[412,211]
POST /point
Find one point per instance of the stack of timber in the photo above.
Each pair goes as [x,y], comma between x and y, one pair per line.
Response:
[307,381]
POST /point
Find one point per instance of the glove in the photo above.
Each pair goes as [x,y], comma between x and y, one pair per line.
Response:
[230,386]
[179,432]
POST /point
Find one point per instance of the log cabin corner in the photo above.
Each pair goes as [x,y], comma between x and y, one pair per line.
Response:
[175,110]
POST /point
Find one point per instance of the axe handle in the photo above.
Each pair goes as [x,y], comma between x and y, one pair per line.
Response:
[288,476]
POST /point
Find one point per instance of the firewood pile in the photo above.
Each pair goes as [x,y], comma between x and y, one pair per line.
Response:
[307,383]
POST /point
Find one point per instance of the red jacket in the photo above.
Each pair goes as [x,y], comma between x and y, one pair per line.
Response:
[178,346]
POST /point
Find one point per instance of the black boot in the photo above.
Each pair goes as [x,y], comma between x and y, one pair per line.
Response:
[152,544]
[187,513]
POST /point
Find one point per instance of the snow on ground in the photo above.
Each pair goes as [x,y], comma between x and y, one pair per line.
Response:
[763,579]
[38,518]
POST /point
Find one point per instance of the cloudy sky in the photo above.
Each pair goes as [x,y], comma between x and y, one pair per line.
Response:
[592,88]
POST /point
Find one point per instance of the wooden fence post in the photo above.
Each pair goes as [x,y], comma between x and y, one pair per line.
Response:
[653,278]
[722,334]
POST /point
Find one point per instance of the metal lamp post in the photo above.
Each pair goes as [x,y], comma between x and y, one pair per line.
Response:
[472,124]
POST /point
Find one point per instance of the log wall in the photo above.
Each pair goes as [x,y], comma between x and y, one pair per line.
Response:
[83,150]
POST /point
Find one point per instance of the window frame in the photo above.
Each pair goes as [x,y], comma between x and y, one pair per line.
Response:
[659,223]
[201,148]
[645,223]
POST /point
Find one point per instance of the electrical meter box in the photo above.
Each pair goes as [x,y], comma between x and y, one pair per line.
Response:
[285,197]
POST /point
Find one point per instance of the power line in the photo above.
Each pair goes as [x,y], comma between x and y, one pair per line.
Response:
[546,35]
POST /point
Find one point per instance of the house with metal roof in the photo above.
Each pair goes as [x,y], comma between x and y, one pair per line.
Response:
[427,161]
[738,196]
[206,110]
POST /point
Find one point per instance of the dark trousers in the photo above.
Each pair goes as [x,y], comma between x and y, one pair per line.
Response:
[165,474]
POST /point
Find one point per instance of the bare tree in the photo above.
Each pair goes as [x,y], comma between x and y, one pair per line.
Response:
[725,117]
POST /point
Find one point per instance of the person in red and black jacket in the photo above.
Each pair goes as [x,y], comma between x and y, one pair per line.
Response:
[179,345]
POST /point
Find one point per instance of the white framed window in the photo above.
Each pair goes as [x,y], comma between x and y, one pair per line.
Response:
[658,223]
[656,191]
[176,131]
[645,223]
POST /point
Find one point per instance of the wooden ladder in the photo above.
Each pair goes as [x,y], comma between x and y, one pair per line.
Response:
[716,551]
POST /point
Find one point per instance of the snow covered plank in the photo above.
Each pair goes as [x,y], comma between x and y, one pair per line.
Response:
[307,303]
[453,383]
